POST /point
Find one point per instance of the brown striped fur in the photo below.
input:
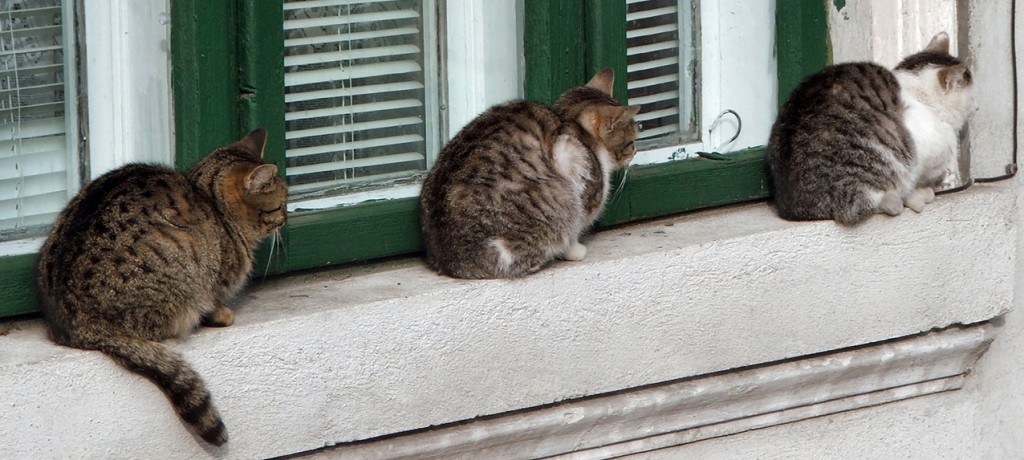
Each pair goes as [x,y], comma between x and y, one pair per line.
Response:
[857,139]
[145,253]
[518,185]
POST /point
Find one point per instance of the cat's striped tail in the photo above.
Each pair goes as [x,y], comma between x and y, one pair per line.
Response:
[854,204]
[854,211]
[174,376]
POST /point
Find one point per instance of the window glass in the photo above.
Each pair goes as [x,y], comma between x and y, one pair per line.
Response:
[39,167]
[704,74]
[361,94]
[662,70]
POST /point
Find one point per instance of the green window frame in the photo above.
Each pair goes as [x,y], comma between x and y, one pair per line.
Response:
[228,78]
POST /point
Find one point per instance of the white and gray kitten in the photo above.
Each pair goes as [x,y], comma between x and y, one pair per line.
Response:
[857,139]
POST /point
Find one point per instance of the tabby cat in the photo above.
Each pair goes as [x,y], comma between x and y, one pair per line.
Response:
[517,186]
[145,253]
[856,139]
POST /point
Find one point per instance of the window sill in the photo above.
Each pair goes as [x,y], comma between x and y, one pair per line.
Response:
[343,355]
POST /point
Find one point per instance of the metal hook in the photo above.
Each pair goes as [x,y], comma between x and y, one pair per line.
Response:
[718,120]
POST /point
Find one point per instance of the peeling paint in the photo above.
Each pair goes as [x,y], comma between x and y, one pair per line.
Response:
[840,4]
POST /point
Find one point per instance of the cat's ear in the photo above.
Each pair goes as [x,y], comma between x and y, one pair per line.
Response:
[613,116]
[260,177]
[958,76]
[606,118]
[255,141]
[629,113]
[603,80]
[940,43]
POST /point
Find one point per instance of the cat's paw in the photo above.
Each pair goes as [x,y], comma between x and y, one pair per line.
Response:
[928,194]
[891,204]
[576,252]
[915,203]
[919,197]
[220,317]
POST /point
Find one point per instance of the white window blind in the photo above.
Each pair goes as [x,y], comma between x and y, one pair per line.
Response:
[662,69]
[38,136]
[360,81]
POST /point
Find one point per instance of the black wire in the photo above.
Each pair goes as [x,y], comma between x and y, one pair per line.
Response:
[1011,169]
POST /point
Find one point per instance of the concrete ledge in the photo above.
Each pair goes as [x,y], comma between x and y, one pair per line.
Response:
[335,357]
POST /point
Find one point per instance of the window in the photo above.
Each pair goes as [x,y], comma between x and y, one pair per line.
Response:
[44,89]
[661,66]
[354,146]
[366,93]
[39,167]
[230,74]
[725,56]
[703,73]
[361,94]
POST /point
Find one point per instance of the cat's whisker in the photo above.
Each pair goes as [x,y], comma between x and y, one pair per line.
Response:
[280,243]
[275,242]
[270,256]
[622,185]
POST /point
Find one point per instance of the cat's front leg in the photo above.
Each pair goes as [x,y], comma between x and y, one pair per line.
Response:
[220,317]
[920,197]
[576,252]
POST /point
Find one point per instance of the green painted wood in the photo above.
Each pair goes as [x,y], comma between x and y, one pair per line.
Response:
[360,232]
[802,44]
[617,208]
[204,74]
[660,190]
[555,48]
[18,285]
[605,36]
[261,73]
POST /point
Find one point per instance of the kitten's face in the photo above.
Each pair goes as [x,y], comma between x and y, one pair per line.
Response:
[252,187]
[615,127]
[620,138]
[263,192]
[267,194]
[942,78]
[954,88]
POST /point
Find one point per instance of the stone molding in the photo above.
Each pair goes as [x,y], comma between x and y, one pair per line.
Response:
[700,408]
